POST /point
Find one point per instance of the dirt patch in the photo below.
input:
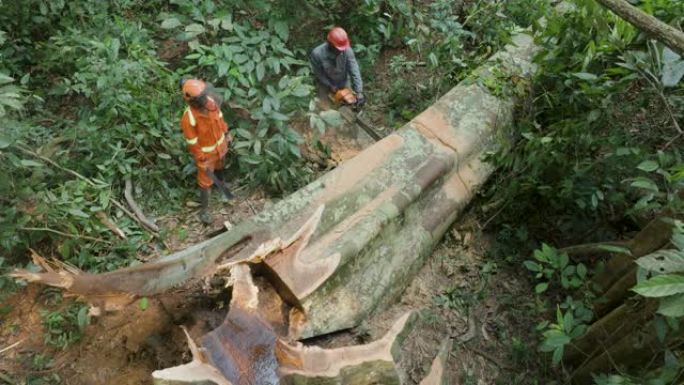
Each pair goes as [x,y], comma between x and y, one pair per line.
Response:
[123,347]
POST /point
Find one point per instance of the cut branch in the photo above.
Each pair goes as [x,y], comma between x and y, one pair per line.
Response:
[657,29]
[128,194]
[110,224]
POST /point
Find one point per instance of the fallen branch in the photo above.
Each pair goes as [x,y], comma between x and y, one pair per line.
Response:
[75,236]
[588,250]
[77,175]
[649,24]
[10,347]
[142,219]
[110,225]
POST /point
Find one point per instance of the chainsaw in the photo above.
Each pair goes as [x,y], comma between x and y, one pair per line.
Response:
[346,97]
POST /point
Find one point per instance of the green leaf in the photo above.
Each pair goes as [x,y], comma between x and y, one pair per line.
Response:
[170,23]
[542,287]
[557,355]
[82,317]
[661,286]
[645,184]
[279,116]
[4,142]
[663,261]
[282,30]
[163,155]
[585,76]
[673,68]
[672,306]
[143,303]
[241,58]
[532,266]
[30,163]
[227,23]
[564,260]
[581,271]
[648,166]
[260,71]
[555,338]
[195,29]
[678,240]
[332,118]
[78,213]
[244,133]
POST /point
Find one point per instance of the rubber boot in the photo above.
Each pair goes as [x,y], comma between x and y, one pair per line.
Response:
[204,215]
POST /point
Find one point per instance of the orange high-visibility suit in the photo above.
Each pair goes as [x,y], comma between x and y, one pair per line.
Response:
[205,133]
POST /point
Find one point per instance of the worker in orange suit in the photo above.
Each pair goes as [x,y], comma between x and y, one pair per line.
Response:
[206,134]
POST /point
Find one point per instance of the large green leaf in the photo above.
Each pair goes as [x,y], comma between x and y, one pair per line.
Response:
[170,23]
[282,30]
[663,261]
[661,286]
[673,68]
[672,306]
[332,118]
[648,166]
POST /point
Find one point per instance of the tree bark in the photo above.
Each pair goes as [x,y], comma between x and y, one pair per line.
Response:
[620,273]
[633,350]
[606,331]
[657,29]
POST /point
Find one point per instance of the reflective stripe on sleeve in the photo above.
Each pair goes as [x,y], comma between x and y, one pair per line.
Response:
[191,141]
[191,117]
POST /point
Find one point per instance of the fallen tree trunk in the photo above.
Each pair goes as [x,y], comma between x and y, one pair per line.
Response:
[349,242]
[666,34]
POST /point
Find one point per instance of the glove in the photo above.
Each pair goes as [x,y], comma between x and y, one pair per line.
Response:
[360,100]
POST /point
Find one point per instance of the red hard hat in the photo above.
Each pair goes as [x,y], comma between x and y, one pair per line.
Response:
[193,88]
[338,38]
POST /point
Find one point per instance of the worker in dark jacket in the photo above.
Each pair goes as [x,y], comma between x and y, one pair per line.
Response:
[334,65]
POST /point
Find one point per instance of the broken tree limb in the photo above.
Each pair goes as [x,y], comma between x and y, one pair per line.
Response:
[347,244]
[373,363]
[142,219]
[197,372]
[666,34]
[240,351]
